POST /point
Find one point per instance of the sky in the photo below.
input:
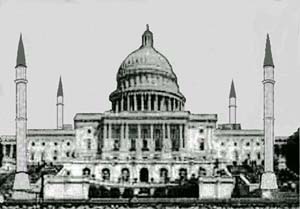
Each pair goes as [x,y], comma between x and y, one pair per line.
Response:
[207,42]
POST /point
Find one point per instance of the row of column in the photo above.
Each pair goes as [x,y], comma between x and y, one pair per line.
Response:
[125,140]
[147,102]
[9,150]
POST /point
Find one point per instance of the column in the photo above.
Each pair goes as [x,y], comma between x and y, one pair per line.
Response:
[151,147]
[163,138]
[169,136]
[11,151]
[128,102]
[138,142]
[109,147]
[117,106]
[122,105]
[156,103]
[3,150]
[122,137]
[180,137]
[135,102]
[162,102]
[142,102]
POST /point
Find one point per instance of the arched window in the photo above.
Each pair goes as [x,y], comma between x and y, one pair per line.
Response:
[105,174]
[125,175]
[183,174]
[164,175]
[86,172]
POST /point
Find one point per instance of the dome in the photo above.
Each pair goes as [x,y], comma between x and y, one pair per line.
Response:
[145,58]
[146,81]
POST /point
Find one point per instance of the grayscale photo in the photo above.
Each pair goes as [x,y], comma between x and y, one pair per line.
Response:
[131,104]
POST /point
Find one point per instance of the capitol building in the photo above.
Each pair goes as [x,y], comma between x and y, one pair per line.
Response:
[147,136]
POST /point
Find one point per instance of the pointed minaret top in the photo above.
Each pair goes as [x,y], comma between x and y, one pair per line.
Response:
[268,61]
[147,38]
[21,54]
[232,90]
[60,88]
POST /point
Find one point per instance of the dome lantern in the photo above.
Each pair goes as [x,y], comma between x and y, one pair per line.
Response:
[147,38]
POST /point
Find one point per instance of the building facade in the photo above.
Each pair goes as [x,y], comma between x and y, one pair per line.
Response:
[147,136]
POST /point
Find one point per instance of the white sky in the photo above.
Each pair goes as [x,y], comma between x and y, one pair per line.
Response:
[207,42]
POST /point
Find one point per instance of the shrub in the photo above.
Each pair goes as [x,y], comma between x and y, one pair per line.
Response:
[115,193]
[128,193]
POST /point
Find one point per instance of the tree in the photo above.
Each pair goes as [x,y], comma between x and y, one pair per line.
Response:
[291,152]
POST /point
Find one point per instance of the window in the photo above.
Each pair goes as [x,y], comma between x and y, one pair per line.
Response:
[248,144]
[86,172]
[145,145]
[133,132]
[132,147]
[32,156]
[222,144]
[43,144]
[258,156]
[174,135]
[164,175]
[107,131]
[116,131]
[88,144]
[67,154]
[54,158]
[125,175]
[166,131]
[257,143]
[235,144]
[68,143]
[201,144]
[89,131]
[200,131]
[55,143]
[157,138]
[145,131]
[116,145]
[183,174]
[105,174]
[32,144]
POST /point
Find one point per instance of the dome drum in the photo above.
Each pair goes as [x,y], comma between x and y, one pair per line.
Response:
[146,101]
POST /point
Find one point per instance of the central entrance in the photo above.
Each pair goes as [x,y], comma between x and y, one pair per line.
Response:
[144,175]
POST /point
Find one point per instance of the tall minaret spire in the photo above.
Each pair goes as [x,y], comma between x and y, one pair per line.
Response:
[232,104]
[21,183]
[268,179]
[60,105]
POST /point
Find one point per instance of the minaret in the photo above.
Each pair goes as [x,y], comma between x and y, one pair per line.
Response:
[60,106]
[232,104]
[21,182]
[268,179]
